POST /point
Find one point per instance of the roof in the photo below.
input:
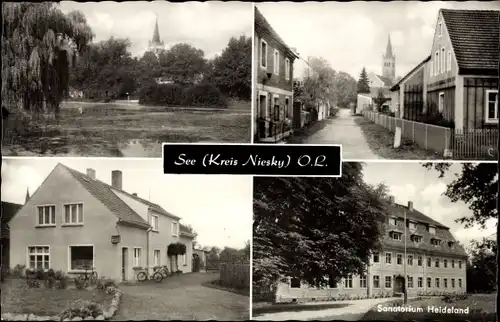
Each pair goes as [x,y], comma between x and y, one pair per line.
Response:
[262,24]
[442,232]
[474,35]
[156,33]
[422,63]
[186,231]
[387,81]
[388,50]
[9,209]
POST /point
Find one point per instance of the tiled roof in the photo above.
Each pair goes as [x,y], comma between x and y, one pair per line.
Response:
[475,37]
[104,193]
[262,24]
[9,209]
[153,206]
[442,232]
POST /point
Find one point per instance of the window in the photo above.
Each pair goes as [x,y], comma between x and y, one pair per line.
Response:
[431,67]
[443,60]
[451,244]
[437,262]
[362,281]
[452,263]
[460,264]
[452,283]
[437,282]
[410,281]
[175,229]
[263,53]
[393,221]
[460,282]
[432,230]
[81,257]
[39,257]
[445,282]
[396,235]
[491,114]
[429,281]
[376,257]
[399,259]
[137,256]
[412,225]
[388,282]
[376,281]
[73,214]
[287,108]
[419,260]
[348,282]
[445,263]
[287,68]
[429,260]
[410,260]
[388,258]
[154,222]
[276,101]
[276,62]
[420,282]
[435,242]
[441,102]
[156,257]
[295,282]
[436,63]
[440,29]
[46,215]
[448,61]
[416,239]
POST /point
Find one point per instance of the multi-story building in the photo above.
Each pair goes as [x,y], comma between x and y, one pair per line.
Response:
[273,83]
[435,262]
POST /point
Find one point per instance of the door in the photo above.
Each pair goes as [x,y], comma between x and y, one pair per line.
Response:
[262,114]
[297,109]
[399,284]
[124,263]
[441,102]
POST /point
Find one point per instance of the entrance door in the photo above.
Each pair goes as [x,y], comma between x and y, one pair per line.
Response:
[262,114]
[124,263]
[399,284]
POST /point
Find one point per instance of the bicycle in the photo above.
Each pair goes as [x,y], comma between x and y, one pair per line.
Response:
[90,277]
[144,275]
[162,270]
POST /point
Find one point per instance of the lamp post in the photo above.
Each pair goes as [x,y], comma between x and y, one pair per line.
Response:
[405,293]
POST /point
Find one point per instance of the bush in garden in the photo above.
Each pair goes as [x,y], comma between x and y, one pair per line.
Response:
[18,271]
[82,309]
[161,94]
[41,274]
[51,273]
[80,284]
[204,95]
[33,283]
[50,282]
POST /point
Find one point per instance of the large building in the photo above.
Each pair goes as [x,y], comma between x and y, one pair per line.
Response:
[435,262]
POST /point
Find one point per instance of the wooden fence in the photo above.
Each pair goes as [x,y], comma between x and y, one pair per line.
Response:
[475,144]
[235,275]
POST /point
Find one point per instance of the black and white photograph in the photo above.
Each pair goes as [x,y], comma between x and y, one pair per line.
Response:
[116,79]
[403,80]
[93,239]
[417,245]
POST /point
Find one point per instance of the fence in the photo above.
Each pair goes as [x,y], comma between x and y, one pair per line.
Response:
[474,144]
[430,137]
[235,275]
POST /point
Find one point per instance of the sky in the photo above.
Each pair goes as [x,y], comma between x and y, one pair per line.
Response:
[219,208]
[353,35]
[412,182]
[205,25]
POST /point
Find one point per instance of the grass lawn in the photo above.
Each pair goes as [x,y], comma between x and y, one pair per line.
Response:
[216,284]
[482,307]
[381,142]
[130,130]
[17,298]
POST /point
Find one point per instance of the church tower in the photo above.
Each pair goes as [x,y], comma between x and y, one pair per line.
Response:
[389,62]
[156,45]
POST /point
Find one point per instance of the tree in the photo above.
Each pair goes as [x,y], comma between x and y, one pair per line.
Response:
[363,83]
[482,266]
[229,254]
[380,99]
[336,241]
[345,88]
[39,45]
[182,63]
[213,254]
[231,71]
[477,186]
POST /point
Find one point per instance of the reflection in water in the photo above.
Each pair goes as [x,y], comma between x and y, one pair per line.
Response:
[141,149]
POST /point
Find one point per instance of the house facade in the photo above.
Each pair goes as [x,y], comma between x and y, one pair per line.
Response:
[460,79]
[273,83]
[435,262]
[75,221]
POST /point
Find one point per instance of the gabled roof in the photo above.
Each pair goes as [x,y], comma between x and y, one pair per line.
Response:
[387,81]
[9,209]
[260,23]
[474,35]
[104,193]
[396,87]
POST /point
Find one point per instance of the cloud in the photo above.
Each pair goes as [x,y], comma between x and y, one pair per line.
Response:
[403,193]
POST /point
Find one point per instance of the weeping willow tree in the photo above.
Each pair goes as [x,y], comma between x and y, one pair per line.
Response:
[39,45]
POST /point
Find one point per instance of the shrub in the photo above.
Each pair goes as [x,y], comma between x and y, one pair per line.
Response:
[161,94]
[82,309]
[33,283]
[18,271]
[51,273]
[50,282]
[204,95]
[80,284]
[62,283]
[41,274]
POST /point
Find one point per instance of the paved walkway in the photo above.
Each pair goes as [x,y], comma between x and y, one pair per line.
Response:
[354,311]
[181,297]
[343,130]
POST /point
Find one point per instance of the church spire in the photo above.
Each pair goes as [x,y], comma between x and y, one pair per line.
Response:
[27,195]
[388,50]
[156,33]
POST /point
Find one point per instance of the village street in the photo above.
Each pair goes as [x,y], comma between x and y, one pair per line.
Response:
[342,130]
[181,297]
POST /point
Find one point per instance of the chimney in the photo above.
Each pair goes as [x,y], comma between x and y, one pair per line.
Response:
[392,200]
[410,205]
[116,179]
[134,194]
[91,173]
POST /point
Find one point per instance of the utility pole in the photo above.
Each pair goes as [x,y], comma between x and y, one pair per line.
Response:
[405,293]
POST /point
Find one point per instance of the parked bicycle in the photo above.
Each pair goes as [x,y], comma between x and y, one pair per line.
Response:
[88,276]
[144,275]
[163,270]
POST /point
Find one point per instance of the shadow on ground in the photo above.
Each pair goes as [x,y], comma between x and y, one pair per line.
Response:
[277,308]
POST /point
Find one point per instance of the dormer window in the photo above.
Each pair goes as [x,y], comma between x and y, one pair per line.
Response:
[432,230]
[451,244]
[412,225]
[416,239]
[396,235]
[393,221]
[435,242]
